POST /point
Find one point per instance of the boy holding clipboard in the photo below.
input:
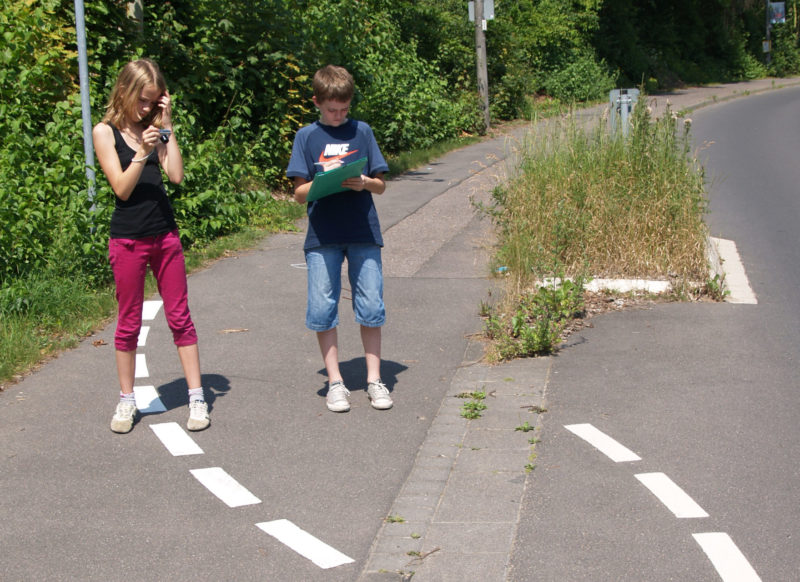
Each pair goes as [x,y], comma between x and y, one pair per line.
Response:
[342,223]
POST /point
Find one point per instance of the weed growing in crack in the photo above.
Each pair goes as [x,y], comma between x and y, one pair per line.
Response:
[475,407]
[395,519]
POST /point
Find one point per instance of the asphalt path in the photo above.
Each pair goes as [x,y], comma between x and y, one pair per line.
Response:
[706,394]
[700,392]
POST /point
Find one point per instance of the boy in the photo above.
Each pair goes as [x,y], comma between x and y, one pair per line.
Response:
[342,225]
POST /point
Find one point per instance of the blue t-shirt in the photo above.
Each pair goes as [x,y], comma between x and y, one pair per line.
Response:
[347,216]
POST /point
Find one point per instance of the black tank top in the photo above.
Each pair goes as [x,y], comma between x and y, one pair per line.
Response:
[147,212]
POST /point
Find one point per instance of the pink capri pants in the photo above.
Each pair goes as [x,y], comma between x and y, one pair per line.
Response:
[129,259]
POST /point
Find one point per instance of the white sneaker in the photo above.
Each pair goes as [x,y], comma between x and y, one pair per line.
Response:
[198,415]
[379,395]
[337,397]
[123,418]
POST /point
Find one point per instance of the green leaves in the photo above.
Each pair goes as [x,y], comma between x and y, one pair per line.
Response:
[538,321]
[585,79]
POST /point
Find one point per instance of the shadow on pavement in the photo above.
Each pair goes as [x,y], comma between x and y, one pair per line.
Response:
[174,394]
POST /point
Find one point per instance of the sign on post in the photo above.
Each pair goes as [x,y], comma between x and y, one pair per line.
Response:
[488,10]
[622,102]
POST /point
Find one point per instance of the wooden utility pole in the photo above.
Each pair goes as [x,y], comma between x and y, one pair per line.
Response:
[480,49]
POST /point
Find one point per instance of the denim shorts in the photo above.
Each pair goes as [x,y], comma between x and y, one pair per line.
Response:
[365,273]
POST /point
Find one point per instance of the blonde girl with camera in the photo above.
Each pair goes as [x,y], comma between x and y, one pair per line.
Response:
[134,144]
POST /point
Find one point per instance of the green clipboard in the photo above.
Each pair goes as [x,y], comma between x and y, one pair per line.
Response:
[330,182]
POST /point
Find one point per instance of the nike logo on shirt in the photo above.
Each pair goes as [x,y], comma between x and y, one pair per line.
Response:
[335,151]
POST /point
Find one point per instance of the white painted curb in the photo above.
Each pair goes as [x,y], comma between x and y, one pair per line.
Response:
[724,263]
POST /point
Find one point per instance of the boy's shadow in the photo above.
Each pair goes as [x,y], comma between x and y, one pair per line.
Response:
[175,394]
[354,374]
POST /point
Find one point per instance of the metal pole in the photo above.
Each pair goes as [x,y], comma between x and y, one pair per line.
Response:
[480,48]
[86,113]
[625,103]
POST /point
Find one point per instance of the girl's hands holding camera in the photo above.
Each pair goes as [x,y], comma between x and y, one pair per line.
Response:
[150,138]
[152,134]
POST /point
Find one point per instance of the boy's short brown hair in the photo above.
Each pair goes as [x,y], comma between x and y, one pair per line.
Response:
[332,83]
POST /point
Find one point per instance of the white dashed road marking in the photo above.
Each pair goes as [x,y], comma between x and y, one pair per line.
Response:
[215,479]
[175,439]
[604,443]
[141,367]
[143,335]
[147,400]
[730,563]
[676,500]
[150,309]
[225,487]
[304,543]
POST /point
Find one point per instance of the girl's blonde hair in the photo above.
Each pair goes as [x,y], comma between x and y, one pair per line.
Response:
[133,78]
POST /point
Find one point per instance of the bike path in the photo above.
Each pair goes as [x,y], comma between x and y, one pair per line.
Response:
[79,502]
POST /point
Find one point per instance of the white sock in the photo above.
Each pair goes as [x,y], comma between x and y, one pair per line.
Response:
[128,398]
[196,394]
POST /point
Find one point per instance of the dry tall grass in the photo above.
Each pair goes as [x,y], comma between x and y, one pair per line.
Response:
[597,204]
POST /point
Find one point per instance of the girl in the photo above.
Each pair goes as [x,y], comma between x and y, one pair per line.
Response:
[133,143]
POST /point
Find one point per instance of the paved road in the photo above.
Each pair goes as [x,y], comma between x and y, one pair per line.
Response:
[705,394]
[309,490]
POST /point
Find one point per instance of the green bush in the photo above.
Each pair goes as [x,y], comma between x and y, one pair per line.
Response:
[430,113]
[44,200]
[744,65]
[510,93]
[539,319]
[580,81]
[785,54]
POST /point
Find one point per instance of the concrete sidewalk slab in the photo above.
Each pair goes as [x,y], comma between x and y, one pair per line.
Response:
[456,514]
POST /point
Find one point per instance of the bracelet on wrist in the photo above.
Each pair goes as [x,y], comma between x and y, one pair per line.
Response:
[139,160]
